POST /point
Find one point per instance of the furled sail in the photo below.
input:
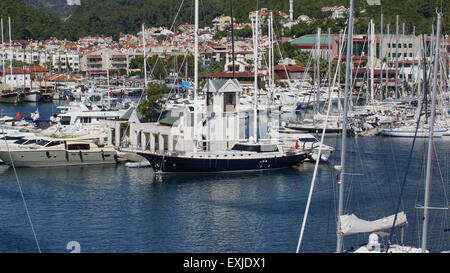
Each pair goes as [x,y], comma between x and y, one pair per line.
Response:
[350,224]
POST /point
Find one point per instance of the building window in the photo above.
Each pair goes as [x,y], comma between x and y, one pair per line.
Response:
[229,102]
[209,98]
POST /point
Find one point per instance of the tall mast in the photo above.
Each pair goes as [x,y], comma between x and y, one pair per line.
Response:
[317,67]
[269,56]
[403,60]
[430,138]
[396,59]
[344,127]
[10,53]
[255,65]
[387,66]
[195,75]
[145,57]
[271,46]
[329,64]
[381,58]
[232,36]
[372,59]
[3,56]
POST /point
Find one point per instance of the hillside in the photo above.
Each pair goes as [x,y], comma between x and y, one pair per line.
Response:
[59,7]
[32,23]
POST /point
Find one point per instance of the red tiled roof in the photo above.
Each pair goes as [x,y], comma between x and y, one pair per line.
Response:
[291,68]
[59,78]
[230,75]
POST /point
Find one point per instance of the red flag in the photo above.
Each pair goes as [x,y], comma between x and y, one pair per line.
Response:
[19,115]
[296,144]
[111,93]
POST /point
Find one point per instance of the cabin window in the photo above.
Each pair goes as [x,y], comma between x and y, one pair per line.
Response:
[10,138]
[78,146]
[308,140]
[209,98]
[53,143]
[255,148]
[209,101]
[42,142]
[65,120]
[20,141]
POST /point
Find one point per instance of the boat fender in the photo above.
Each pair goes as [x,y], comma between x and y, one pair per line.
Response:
[47,153]
[116,159]
[67,155]
[103,155]
[81,156]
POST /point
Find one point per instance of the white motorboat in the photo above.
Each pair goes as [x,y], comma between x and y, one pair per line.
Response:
[59,152]
[310,142]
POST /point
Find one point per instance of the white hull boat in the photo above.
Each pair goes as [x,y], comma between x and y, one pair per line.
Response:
[32,96]
[59,153]
[411,132]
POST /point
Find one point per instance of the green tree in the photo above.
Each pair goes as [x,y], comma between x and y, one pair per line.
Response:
[151,106]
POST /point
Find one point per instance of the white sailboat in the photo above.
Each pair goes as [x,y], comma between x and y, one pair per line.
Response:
[351,224]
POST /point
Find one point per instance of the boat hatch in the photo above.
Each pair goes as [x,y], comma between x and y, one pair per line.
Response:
[78,146]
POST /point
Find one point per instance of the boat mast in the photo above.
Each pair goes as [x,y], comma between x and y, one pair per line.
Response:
[430,138]
[232,36]
[396,59]
[255,65]
[196,75]
[372,59]
[10,53]
[381,58]
[269,56]
[3,56]
[344,127]
[145,59]
[317,74]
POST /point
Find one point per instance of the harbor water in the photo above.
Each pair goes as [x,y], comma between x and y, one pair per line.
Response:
[119,209]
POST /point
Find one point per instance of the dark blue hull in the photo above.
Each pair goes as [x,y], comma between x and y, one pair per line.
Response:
[180,164]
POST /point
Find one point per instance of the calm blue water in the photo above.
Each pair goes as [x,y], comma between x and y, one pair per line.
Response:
[119,209]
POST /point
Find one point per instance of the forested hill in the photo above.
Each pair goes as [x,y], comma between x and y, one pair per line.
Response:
[112,17]
[59,7]
[28,22]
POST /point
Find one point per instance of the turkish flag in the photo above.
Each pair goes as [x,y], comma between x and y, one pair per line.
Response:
[19,115]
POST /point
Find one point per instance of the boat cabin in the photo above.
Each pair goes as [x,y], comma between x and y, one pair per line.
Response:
[258,148]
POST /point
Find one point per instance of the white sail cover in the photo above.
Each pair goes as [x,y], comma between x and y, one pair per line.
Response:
[350,224]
